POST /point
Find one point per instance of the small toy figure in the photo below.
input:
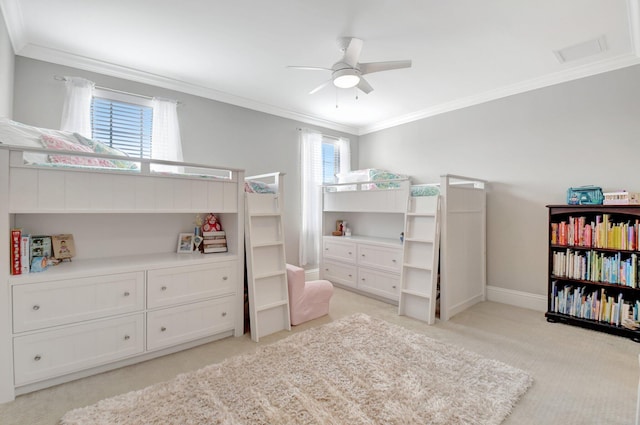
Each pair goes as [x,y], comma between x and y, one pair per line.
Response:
[211,223]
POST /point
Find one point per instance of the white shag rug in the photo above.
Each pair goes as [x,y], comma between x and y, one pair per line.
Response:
[356,370]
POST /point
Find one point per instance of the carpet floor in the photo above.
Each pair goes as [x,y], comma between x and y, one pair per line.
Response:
[355,370]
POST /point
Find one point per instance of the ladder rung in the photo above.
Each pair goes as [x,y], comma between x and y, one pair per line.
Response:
[418,240]
[413,266]
[265,244]
[272,305]
[415,293]
[266,214]
[270,274]
[417,214]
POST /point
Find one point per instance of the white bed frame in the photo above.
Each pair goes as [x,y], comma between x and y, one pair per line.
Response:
[462,230]
[145,211]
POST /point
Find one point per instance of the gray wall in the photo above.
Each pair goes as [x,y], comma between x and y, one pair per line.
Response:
[6,71]
[212,132]
[530,147]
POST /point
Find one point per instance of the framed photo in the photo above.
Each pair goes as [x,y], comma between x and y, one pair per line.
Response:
[40,247]
[185,243]
[63,246]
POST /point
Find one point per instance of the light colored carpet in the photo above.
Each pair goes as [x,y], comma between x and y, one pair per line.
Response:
[356,370]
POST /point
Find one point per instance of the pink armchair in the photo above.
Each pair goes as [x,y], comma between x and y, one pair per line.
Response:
[307,300]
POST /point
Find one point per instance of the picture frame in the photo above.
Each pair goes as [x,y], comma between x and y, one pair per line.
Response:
[185,243]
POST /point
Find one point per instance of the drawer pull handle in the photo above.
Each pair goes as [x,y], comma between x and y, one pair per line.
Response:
[126,294]
[36,307]
[326,270]
[393,261]
[349,252]
[164,288]
[394,286]
[126,337]
[225,277]
[326,249]
[37,357]
[350,275]
[362,279]
[224,314]
[162,329]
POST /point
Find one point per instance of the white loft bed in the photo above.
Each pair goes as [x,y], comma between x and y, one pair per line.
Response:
[265,254]
[462,227]
[125,224]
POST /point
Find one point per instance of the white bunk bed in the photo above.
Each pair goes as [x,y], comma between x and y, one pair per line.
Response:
[265,253]
[376,211]
[127,296]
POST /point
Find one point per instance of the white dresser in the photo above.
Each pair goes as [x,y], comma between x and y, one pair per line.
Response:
[366,264]
[72,319]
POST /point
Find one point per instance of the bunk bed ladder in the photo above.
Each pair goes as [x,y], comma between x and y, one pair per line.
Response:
[266,265]
[419,276]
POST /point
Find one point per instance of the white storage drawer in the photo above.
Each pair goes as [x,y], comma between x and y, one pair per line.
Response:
[184,323]
[60,351]
[380,257]
[339,250]
[184,284]
[344,274]
[380,283]
[46,304]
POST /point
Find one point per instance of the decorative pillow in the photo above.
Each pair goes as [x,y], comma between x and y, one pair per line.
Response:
[420,190]
[99,147]
[253,186]
[51,142]
[376,175]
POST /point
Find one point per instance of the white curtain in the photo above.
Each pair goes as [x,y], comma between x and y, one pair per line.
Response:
[76,112]
[311,179]
[165,137]
[345,155]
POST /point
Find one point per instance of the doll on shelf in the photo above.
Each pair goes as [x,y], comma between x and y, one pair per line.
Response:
[211,223]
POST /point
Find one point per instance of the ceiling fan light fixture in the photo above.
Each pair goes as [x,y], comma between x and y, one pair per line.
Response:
[346,78]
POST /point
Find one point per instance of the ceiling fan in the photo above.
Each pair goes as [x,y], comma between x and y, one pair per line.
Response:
[348,72]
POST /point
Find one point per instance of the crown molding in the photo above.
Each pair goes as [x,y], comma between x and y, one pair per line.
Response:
[525,86]
[12,13]
[59,57]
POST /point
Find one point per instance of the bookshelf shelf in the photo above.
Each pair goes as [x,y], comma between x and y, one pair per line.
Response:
[593,279]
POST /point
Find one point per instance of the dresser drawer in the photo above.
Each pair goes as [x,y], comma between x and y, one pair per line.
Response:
[383,284]
[339,250]
[175,325]
[380,257]
[46,304]
[65,350]
[344,274]
[178,285]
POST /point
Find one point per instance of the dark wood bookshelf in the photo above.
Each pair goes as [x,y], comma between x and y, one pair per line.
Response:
[618,214]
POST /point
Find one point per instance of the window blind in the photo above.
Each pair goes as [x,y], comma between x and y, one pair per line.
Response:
[121,125]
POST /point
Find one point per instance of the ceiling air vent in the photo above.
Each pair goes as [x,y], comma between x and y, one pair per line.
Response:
[581,50]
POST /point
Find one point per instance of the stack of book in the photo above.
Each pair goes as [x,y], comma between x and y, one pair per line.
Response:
[19,252]
[214,241]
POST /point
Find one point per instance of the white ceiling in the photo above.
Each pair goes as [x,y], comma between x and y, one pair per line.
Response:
[464,51]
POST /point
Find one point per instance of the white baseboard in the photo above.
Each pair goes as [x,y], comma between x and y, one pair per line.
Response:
[517,298]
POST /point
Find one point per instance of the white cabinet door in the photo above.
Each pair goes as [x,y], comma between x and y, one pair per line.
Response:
[344,274]
[339,250]
[57,352]
[380,257]
[177,285]
[172,326]
[379,283]
[46,304]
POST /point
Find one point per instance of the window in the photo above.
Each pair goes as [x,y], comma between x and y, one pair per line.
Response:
[330,160]
[122,121]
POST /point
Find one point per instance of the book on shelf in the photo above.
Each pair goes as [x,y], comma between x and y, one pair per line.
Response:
[212,249]
[214,233]
[15,255]
[220,241]
[25,241]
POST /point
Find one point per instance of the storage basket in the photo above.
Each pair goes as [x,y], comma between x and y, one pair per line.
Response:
[585,195]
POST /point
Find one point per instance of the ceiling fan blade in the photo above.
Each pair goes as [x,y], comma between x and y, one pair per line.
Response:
[365,86]
[352,52]
[368,68]
[321,86]
[310,68]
